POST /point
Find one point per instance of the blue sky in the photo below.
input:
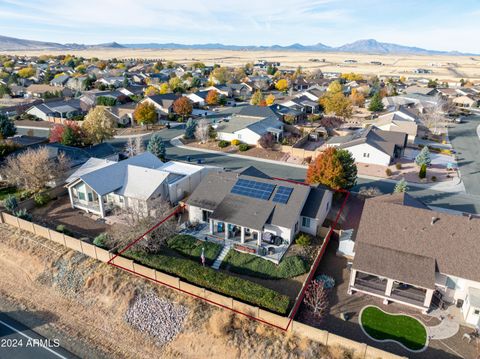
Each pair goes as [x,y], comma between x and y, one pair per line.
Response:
[433,24]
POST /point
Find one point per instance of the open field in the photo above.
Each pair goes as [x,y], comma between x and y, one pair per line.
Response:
[443,67]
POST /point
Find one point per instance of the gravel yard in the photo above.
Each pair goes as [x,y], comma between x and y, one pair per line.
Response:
[158,317]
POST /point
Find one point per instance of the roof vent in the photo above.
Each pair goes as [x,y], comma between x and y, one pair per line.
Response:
[434,219]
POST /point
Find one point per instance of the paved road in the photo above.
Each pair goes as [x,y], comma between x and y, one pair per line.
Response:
[459,202]
[19,342]
[465,141]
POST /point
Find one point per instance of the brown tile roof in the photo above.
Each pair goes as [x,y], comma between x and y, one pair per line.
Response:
[393,223]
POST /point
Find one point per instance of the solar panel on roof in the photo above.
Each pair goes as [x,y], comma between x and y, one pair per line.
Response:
[253,189]
[283,194]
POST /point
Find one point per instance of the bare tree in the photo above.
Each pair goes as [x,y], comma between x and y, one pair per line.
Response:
[316,299]
[134,147]
[202,130]
[137,219]
[434,112]
[139,146]
[33,169]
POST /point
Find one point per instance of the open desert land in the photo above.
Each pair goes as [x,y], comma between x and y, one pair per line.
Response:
[443,67]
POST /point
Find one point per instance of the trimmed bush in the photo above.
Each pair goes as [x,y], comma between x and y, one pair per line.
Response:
[101,240]
[244,263]
[191,247]
[243,147]
[41,199]
[303,239]
[388,172]
[236,142]
[398,166]
[423,171]
[209,278]
[11,203]
[223,144]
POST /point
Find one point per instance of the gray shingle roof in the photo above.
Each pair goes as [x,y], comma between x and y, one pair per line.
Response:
[451,241]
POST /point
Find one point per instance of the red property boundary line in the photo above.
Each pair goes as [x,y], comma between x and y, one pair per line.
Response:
[299,299]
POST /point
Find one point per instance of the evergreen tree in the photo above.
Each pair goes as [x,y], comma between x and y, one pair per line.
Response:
[376,104]
[423,158]
[157,146]
[401,186]
[190,129]
[7,127]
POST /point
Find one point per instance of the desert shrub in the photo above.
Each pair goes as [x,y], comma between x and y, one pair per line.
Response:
[398,166]
[62,229]
[23,214]
[11,203]
[236,142]
[209,278]
[388,172]
[434,178]
[423,171]
[243,147]
[223,144]
[328,281]
[101,240]
[267,141]
[303,239]
[244,263]
[41,198]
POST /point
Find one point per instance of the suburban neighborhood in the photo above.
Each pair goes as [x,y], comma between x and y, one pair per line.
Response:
[237,201]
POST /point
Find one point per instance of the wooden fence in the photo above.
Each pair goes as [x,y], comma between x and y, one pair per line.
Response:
[361,350]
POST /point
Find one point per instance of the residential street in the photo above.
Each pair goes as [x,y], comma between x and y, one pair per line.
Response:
[469,202]
[466,142]
[20,342]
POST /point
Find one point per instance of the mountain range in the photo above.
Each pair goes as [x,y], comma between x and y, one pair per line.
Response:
[369,46]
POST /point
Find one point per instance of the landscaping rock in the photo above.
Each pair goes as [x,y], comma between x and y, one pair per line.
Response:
[160,318]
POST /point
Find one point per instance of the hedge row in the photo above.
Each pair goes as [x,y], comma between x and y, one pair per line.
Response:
[209,278]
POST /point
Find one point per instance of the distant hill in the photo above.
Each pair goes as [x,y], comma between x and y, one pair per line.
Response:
[369,46]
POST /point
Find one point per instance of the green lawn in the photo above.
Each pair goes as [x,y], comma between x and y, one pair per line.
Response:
[191,247]
[401,328]
[209,278]
[251,265]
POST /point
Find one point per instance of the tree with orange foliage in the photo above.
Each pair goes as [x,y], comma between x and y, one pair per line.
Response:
[334,168]
[182,107]
[357,98]
[212,98]
[270,99]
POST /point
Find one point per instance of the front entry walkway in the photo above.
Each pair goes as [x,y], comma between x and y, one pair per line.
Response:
[226,248]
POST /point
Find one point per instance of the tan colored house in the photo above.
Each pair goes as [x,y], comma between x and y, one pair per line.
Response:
[400,120]
[465,101]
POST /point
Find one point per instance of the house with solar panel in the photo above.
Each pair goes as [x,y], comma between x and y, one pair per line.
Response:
[256,213]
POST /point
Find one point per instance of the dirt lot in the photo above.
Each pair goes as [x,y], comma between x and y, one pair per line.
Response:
[443,67]
[82,302]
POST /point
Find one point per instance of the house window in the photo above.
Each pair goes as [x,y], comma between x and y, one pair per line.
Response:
[367,155]
[90,197]
[120,199]
[81,196]
[476,312]
[239,136]
[306,222]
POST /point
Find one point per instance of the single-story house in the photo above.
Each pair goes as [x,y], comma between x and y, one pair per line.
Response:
[248,207]
[372,145]
[428,91]
[249,124]
[465,101]
[100,185]
[40,90]
[409,254]
[399,120]
[197,98]
[163,103]
[64,109]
